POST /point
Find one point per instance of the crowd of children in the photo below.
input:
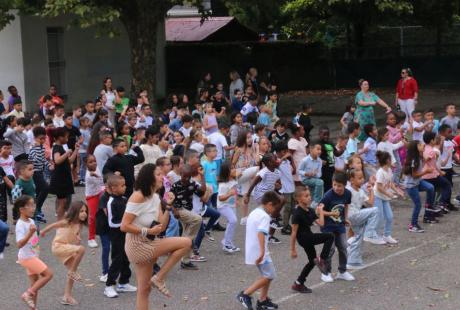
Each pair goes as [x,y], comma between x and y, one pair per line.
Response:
[221,153]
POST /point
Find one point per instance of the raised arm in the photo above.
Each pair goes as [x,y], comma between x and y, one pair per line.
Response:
[56,225]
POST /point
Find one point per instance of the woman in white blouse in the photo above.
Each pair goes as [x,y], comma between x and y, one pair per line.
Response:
[111,96]
[144,220]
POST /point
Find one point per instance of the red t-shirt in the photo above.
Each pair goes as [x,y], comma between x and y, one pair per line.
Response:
[457,147]
[407,89]
[55,99]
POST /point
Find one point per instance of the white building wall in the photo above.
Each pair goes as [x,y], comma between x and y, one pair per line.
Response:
[11,59]
[88,60]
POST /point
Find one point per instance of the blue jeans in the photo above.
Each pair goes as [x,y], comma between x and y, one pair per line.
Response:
[3,234]
[444,185]
[367,217]
[385,215]
[213,215]
[212,201]
[316,186]
[173,227]
[105,243]
[397,169]
[414,194]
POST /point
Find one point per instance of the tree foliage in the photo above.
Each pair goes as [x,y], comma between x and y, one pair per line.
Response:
[322,17]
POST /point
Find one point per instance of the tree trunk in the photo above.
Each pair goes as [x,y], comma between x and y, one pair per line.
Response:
[141,23]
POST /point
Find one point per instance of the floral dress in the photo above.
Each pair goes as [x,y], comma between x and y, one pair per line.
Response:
[365,115]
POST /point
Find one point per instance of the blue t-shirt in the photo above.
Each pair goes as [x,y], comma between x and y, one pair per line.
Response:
[264,119]
[210,173]
[334,202]
[175,124]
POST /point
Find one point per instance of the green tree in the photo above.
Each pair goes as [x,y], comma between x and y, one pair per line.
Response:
[436,14]
[140,18]
[355,17]
[259,15]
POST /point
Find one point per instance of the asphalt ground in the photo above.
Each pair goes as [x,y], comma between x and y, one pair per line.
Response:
[421,272]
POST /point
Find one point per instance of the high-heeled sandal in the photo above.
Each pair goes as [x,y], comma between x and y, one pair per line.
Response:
[160,285]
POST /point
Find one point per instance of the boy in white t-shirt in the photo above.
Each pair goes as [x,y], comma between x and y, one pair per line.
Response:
[257,227]
[218,139]
[418,126]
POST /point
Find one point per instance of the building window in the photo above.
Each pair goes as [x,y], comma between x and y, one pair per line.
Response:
[56,62]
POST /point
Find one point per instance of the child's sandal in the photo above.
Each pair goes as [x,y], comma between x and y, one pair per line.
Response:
[160,285]
[68,301]
[72,275]
[27,297]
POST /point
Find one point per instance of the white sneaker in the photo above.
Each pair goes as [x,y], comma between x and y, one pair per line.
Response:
[110,291]
[355,267]
[103,278]
[228,249]
[327,278]
[378,241]
[92,243]
[126,288]
[390,240]
[231,250]
[2,256]
[345,276]
[243,220]
[350,240]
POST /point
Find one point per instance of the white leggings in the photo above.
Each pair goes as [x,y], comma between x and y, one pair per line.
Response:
[407,106]
[230,214]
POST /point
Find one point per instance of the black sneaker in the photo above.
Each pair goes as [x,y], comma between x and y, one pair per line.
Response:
[218,227]
[79,183]
[300,288]
[444,209]
[245,300]
[273,240]
[40,219]
[188,266]
[267,304]
[416,229]
[286,230]
[432,209]
[275,224]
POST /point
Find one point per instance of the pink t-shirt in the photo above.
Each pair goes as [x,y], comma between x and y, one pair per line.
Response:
[394,134]
[300,152]
[429,158]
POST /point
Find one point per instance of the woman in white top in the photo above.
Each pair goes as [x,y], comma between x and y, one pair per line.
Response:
[110,95]
[236,83]
[144,220]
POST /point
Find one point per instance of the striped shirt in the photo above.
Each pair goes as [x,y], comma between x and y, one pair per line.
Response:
[37,156]
[267,184]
